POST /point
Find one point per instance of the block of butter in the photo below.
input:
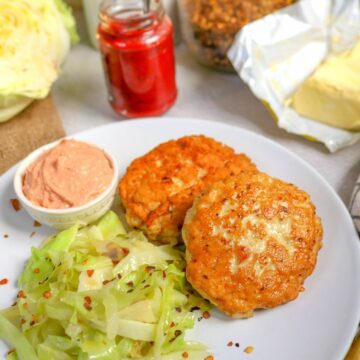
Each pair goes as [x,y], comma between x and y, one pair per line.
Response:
[332,93]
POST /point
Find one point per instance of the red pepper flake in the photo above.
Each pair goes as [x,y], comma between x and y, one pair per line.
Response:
[206,315]
[149,268]
[32,234]
[87,306]
[90,273]
[115,262]
[6,236]
[4,281]
[36,223]
[237,344]
[47,294]
[33,320]
[15,204]
[21,294]
[248,349]
[36,270]
[172,324]
[87,303]
[230,343]
[210,357]
[185,355]
[164,274]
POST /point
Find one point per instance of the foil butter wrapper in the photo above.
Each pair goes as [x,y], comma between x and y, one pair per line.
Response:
[274,56]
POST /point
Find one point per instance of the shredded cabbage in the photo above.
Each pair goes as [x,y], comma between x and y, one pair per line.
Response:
[35,37]
[101,293]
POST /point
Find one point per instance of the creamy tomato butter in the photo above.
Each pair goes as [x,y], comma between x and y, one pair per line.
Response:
[68,175]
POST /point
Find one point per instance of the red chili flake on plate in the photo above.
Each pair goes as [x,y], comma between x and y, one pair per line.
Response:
[237,344]
[15,204]
[32,234]
[6,236]
[33,320]
[47,294]
[87,303]
[21,294]
[230,343]
[90,273]
[4,281]
[149,268]
[210,357]
[206,315]
[185,355]
[36,224]
[36,270]
[115,262]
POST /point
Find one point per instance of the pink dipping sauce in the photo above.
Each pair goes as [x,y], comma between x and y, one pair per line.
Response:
[68,175]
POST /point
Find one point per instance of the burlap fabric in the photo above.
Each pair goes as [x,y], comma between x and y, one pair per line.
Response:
[37,125]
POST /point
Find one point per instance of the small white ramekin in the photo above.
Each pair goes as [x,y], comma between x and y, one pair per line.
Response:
[63,218]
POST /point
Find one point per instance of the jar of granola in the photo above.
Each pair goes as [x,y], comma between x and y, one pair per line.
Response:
[209,26]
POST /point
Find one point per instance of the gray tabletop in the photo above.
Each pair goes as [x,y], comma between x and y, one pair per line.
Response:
[80,95]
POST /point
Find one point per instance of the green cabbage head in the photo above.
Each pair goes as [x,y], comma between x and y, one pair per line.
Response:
[35,37]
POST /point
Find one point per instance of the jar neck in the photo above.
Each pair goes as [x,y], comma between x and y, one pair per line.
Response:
[125,17]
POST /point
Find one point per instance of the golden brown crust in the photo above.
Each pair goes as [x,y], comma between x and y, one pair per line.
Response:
[251,242]
[159,187]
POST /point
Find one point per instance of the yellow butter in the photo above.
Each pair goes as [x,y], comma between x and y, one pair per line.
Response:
[332,93]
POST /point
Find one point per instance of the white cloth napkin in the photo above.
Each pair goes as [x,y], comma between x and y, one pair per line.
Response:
[355,205]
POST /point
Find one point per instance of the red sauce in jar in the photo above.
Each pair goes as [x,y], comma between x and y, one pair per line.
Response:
[138,58]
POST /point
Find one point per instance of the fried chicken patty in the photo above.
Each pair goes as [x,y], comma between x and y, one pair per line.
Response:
[251,241]
[159,187]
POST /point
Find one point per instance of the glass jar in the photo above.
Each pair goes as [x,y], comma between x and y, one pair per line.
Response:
[138,57]
[209,26]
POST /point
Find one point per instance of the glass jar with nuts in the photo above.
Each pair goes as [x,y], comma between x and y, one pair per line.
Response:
[209,26]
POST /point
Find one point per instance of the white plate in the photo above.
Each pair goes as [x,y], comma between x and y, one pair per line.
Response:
[319,325]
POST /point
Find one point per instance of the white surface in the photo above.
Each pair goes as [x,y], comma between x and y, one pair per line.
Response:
[80,95]
[319,325]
